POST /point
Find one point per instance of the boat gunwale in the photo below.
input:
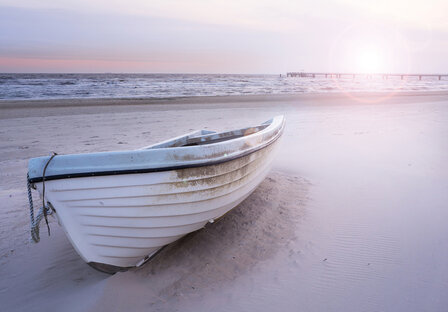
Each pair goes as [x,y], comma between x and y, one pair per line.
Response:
[167,168]
[252,165]
[245,177]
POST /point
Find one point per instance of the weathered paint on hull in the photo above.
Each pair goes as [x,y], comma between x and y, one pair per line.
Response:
[119,220]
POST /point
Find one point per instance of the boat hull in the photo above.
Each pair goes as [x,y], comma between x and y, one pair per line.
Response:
[121,220]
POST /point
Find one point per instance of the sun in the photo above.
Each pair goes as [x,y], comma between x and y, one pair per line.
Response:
[369,60]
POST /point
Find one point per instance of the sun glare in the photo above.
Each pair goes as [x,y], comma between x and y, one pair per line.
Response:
[369,60]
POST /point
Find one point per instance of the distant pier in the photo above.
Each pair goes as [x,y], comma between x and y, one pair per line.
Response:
[368,76]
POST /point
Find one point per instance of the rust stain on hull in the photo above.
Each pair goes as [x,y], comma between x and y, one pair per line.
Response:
[214,170]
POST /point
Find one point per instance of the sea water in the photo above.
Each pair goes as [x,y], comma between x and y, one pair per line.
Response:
[57,86]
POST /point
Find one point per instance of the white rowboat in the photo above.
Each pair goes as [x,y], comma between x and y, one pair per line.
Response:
[119,208]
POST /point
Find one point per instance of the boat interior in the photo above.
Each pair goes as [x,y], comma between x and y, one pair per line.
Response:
[203,137]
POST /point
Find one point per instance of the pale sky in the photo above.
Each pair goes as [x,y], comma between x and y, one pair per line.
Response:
[244,36]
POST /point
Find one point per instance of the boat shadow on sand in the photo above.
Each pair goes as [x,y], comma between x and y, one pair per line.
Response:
[252,232]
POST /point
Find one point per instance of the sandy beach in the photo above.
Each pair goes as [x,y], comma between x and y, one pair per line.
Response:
[351,218]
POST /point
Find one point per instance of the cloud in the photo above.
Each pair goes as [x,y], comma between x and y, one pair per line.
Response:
[215,36]
[429,14]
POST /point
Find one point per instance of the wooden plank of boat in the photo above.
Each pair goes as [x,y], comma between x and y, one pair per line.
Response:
[120,208]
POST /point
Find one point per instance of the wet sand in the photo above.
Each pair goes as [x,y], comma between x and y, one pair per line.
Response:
[351,218]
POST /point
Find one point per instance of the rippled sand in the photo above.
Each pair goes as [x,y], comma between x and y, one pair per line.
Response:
[352,217]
